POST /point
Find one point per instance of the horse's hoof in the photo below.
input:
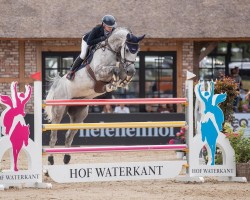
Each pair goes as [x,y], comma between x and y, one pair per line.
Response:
[46,172]
[51,160]
[66,159]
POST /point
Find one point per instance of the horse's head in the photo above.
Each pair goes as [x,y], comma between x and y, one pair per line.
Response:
[125,46]
[129,50]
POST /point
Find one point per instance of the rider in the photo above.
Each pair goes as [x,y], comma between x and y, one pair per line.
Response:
[98,34]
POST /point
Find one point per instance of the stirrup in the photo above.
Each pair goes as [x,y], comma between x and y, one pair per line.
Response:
[71,75]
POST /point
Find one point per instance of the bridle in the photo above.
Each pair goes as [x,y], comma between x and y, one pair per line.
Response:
[124,60]
[119,58]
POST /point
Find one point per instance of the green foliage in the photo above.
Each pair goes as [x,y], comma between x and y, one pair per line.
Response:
[240,144]
[228,85]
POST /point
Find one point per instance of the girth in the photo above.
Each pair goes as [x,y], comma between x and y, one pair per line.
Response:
[99,86]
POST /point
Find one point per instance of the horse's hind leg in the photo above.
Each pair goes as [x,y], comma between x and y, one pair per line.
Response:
[77,115]
[52,142]
[59,113]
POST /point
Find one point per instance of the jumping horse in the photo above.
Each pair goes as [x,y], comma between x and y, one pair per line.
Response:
[112,66]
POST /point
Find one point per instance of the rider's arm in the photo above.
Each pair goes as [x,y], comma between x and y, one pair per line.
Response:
[95,36]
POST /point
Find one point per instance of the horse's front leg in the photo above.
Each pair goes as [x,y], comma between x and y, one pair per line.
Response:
[111,87]
[125,82]
[109,74]
[126,74]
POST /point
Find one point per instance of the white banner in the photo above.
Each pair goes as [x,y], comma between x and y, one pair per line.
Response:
[115,171]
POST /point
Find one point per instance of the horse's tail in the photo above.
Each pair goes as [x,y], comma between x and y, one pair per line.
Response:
[48,109]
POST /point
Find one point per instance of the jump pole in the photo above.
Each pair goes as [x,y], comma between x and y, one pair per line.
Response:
[182,147]
[77,126]
[91,102]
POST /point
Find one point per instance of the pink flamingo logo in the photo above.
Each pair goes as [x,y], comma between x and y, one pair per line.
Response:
[12,119]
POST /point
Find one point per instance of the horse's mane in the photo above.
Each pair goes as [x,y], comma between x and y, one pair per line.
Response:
[122,28]
[120,32]
[118,37]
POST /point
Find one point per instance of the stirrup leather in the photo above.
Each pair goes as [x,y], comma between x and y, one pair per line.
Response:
[70,75]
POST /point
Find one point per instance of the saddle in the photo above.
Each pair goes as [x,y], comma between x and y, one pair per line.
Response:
[99,85]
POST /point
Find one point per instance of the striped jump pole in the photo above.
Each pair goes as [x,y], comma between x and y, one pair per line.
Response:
[107,149]
[91,102]
[113,125]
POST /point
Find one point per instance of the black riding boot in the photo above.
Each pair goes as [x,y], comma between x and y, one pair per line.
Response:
[74,67]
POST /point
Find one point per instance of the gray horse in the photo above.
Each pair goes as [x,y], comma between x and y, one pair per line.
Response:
[112,66]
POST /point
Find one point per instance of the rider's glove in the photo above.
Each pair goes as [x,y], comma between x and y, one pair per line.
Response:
[104,37]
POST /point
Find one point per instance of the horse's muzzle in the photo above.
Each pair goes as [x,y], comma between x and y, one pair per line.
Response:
[130,70]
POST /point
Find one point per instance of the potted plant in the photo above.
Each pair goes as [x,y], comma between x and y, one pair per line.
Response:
[179,139]
[228,85]
[241,146]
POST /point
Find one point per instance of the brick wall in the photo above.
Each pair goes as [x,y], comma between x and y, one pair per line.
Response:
[30,58]
[187,61]
[9,59]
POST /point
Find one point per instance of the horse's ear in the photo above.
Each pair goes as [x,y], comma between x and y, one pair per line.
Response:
[129,36]
[141,37]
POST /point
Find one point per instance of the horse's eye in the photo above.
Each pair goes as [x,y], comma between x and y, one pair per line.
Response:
[127,50]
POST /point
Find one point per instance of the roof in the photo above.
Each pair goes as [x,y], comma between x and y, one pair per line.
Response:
[156,18]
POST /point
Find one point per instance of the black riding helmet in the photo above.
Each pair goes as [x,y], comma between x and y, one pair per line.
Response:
[109,20]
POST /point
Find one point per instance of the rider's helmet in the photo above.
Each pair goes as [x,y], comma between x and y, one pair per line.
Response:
[109,20]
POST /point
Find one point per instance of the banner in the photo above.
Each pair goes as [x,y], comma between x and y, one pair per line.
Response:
[118,136]
[241,119]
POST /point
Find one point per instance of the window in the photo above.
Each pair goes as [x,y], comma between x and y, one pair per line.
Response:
[54,63]
[222,60]
[211,67]
[240,57]
[155,77]
[214,65]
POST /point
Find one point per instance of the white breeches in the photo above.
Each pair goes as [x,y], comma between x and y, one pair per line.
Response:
[84,49]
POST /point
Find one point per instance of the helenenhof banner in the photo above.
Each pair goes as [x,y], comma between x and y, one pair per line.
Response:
[118,136]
